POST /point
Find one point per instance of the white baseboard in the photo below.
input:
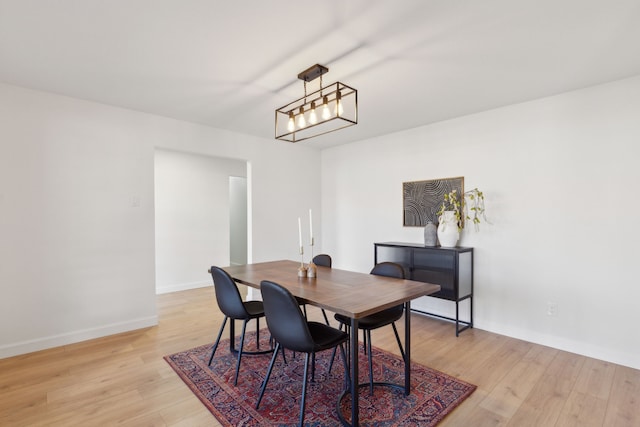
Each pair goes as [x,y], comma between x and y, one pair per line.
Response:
[30,346]
[181,287]
[595,351]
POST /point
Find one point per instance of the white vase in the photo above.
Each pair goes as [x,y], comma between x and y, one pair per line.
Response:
[448,233]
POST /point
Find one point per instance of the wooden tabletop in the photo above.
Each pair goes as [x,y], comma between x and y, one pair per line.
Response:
[352,294]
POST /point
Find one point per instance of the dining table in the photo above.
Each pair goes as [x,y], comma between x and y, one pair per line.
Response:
[352,294]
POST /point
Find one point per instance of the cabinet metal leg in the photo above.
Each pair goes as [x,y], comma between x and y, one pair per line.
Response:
[457,318]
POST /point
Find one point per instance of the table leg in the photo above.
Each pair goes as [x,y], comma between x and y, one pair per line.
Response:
[354,373]
[407,348]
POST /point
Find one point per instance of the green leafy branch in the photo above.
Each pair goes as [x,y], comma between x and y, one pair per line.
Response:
[471,205]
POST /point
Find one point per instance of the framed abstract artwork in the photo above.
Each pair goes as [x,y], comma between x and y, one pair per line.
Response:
[421,200]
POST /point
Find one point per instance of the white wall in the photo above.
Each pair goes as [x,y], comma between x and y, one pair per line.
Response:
[191,217]
[76,212]
[560,177]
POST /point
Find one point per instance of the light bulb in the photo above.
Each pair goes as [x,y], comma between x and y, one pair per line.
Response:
[313,118]
[326,114]
[339,109]
[291,126]
[301,121]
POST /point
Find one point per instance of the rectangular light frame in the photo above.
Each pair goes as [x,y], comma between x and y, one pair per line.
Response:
[349,116]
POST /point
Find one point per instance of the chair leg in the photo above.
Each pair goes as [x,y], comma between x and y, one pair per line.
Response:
[395,331]
[333,356]
[313,367]
[368,335]
[258,333]
[215,346]
[272,344]
[244,329]
[284,357]
[326,319]
[333,353]
[364,337]
[266,379]
[347,371]
[304,388]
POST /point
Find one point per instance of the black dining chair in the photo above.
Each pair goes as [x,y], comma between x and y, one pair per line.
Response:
[290,330]
[323,260]
[380,319]
[232,306]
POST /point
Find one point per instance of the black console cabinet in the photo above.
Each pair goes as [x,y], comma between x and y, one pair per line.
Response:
[451,268]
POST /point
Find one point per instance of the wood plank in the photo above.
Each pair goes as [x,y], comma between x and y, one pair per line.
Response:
[547,399]
[587,403]
[622,408]
[582,410]
[512,390]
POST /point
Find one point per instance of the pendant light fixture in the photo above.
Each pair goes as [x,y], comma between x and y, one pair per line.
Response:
[300,120]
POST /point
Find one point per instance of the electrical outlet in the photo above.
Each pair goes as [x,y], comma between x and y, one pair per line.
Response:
[552,309]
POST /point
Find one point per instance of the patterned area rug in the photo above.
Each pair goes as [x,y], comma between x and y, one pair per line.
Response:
[433,394]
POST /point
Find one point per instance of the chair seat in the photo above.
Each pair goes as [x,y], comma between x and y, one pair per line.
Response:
[326,337]
[254,308]
[376,320]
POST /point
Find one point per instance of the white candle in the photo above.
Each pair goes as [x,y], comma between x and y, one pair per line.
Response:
[300,234]
[310,227]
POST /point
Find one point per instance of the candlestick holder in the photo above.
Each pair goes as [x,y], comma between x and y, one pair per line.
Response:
[312,271]
[302,270]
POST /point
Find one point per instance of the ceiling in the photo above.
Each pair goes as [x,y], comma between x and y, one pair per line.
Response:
[230,64]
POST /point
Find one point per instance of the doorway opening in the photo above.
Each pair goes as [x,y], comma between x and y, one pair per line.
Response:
[193,210]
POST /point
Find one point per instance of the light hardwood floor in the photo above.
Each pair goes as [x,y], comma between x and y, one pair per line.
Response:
[123,380]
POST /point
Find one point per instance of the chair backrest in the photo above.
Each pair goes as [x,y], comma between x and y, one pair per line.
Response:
[388,269]
[285,320]
[228,295]
[323,260]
